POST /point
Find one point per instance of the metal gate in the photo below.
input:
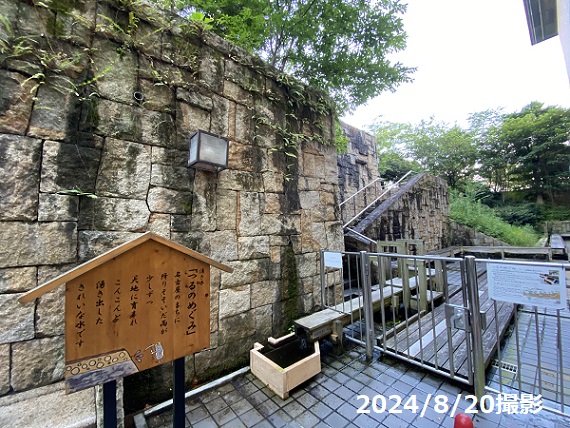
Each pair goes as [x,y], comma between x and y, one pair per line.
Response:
[437,313]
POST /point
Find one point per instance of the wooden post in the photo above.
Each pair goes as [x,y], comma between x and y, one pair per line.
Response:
[179,391]
[110,404]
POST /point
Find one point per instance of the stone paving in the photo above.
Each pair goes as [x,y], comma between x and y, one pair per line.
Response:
[331,399]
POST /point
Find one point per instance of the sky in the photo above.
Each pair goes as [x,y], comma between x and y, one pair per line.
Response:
[471,56]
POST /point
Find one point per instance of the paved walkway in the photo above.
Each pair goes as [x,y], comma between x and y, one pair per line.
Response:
[331,399]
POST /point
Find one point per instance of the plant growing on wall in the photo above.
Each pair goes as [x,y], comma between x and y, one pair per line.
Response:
[339,46]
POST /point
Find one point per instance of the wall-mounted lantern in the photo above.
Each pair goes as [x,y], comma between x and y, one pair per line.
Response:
[208,151]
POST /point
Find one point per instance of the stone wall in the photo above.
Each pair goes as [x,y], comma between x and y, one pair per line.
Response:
[97,100]
[422,212]
[559,227]
[461,235]
[359,166]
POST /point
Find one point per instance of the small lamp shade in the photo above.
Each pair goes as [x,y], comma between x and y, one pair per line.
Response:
[208,151]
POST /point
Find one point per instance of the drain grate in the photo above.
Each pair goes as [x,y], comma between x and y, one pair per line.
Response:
[505,366]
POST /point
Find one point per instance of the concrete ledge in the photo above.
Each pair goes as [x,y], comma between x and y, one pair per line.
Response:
[49,406]
[140,419]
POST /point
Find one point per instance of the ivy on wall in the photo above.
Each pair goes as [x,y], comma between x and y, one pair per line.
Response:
[52,62]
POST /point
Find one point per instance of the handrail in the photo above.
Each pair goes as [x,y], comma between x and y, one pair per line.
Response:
[369,185]
[360,235]
[397,183]
[361,190]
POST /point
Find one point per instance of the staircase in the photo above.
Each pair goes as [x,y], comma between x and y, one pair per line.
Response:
[363,208]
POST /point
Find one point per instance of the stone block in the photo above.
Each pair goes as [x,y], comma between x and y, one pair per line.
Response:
[172,177]
[50,318]
[16,100]
[223,246]
[17,280]
[114,214]
[47,273]
[245,157]
[254,247]
[243,126]
[236,328]
[243,76]
[190,119]
[310,200]
[234,301]
[273,203]
[37,362]
[94,242]
[226,205]
[113,119]
[116,71]
[195,99]
[220,114]
[162,200]
[160,224]
[313,236]
[271,224]
[17,319]
[281,224]
[10,12]
[307,264]
[264,293]
[273,181]
[19,177]
[170,157]
[68,167]
[156,97]
[26,244]
[181,223]
[334,236]
[250,215]
[54,207]
[308,303]
[236,93]
[76,25]
[263,322]
[125,170]
[4,369]
[159,129]
[309,184]
[246,272]
[225,357]
[211,70]
[232,179]
[55,113]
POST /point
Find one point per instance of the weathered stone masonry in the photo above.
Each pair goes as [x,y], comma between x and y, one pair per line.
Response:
[71,128]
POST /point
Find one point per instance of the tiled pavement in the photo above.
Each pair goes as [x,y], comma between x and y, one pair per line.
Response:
[330,399]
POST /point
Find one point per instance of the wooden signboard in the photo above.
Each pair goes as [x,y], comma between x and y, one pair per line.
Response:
[140,305]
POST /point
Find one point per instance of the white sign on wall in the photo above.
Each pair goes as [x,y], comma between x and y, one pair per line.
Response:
[333,260]
[541,286]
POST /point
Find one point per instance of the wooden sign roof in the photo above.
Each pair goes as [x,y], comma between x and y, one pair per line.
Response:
[109,255]
[142,304]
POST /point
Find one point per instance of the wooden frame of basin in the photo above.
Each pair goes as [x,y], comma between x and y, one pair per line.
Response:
[279,379]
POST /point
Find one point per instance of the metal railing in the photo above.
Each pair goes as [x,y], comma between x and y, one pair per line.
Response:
[533,360]
[437,313]
[366,198]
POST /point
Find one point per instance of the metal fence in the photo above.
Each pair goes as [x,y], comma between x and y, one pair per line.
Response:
[437,313]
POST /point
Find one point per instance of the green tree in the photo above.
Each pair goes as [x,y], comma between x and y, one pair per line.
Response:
[539,139]
[393,162]
[496,158]
[339,46]
[443,150]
